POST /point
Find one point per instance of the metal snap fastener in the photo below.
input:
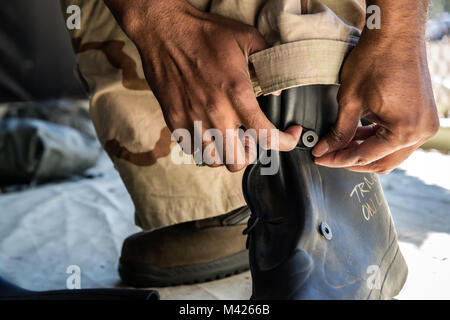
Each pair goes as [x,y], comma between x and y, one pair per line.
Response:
[310,139]
[326,231]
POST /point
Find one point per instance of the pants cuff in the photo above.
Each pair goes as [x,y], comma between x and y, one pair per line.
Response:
[300,63]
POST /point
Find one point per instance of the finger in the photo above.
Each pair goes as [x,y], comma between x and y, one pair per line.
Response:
[234,151]
[386,164]
[352,144]
[225,124]
[365,132]
[250,145]
[341,133]
[211,151]
[268,136]
[225,134]
[252,117]
[183,137]
[372,149]
[276,93]
[203,141]
[211,156]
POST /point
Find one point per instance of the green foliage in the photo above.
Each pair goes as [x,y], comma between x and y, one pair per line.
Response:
[438,6]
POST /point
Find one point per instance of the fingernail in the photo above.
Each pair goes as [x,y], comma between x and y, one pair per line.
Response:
[276,93]
[321,149]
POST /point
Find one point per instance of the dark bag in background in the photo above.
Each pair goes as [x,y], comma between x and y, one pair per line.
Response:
[44,141]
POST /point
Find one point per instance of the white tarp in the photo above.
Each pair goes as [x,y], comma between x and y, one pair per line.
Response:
[45,230]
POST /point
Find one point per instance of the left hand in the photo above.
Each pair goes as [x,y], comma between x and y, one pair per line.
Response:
[388,83]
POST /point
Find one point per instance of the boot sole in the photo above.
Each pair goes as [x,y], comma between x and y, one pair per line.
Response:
[144,275]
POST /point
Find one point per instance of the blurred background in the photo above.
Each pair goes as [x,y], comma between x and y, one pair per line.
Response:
[63,204]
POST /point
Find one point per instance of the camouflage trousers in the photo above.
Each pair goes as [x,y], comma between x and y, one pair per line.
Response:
[309,40]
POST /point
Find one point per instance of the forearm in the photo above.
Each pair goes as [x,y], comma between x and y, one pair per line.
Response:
[148,17]
[127,12]
[402,22]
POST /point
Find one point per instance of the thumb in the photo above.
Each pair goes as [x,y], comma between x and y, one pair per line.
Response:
[341,134]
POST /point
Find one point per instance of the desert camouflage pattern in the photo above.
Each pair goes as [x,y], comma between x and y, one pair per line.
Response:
[310,40]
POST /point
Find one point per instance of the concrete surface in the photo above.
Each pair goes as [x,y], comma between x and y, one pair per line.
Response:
[45,230]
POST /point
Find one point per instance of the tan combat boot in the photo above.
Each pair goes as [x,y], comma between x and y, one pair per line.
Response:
[185,253]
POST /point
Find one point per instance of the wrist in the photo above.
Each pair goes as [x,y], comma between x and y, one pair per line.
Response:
[402,23]
[382,42]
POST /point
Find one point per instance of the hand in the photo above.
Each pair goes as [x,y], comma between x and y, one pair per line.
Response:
[196,63]
[385,80]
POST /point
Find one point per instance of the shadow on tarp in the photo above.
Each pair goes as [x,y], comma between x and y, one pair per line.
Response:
[417,208]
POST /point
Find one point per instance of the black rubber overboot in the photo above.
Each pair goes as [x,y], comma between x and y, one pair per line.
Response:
[317,232]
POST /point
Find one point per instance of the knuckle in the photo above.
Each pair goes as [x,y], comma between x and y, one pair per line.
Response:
[216,164]
[266,142]
[238,87]
[212,162]
[343,102]
[176,118]
[380,167]
[207,143]
[406,139]
[421,127]
[384,171]
[338,136]
[347,101]
[212,107]
[432,127]
[251,122]
[401,136]
[361,161]
[408,134]
[235,167]
[384,134]
[252,33]
[417,127]
[211,27]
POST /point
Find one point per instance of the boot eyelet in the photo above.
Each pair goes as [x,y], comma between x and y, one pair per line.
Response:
[310,139]
[326,231]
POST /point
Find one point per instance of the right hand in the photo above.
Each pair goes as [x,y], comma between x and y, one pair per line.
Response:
[196,63]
